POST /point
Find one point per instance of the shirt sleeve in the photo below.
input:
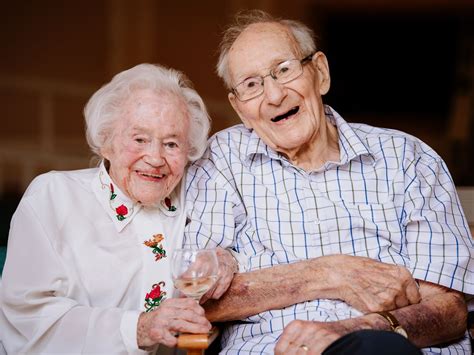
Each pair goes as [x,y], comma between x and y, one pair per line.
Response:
[39,316]
[210,208]
[438,237]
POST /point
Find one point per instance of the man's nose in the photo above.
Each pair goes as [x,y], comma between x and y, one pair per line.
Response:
[273,91]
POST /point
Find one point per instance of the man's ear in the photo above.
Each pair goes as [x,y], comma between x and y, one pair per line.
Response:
[233,101]
[322,68]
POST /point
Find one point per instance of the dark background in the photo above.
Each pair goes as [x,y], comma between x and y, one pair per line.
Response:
[406,64]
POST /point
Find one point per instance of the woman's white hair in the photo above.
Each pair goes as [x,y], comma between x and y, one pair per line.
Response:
[104,107]
[303,35]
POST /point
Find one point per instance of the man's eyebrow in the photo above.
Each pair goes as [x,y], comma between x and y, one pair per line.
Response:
[274,62]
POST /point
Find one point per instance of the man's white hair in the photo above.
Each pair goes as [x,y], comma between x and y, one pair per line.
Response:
[303,35]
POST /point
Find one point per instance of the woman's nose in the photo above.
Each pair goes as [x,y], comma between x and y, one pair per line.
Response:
[155,155]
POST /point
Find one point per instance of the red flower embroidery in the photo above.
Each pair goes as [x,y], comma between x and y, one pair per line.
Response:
[154,293]
[169,205]
[121,210]
[154,297]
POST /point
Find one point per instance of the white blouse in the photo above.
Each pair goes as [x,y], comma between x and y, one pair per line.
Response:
[78,269]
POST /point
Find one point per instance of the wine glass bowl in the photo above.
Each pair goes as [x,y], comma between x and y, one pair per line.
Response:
[194,271]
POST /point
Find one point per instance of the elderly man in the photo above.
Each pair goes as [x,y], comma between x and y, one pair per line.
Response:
[296,182]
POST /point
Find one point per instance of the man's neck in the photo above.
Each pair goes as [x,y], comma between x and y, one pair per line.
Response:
[323,148]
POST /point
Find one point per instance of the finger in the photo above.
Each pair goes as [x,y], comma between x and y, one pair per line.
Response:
[209,294]
[189,313]
[163,336]
[401,299]
[177,304]
[413,292]
[289,337]
[180,325]
[221,287]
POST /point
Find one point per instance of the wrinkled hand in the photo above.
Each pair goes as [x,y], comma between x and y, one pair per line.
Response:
[227,268]
[315,336]
[371,286]
[172,316]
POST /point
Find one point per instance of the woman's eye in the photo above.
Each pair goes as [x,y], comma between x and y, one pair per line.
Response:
[171,145]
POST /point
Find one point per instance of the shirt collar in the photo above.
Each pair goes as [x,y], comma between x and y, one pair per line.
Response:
[118,206]
[350,143]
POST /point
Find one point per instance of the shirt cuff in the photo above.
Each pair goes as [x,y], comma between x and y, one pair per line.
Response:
[242,260]
[128,329]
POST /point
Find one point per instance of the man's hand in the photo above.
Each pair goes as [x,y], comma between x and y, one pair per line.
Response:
[371,286]
[302,337]
[227,268]
[172,316]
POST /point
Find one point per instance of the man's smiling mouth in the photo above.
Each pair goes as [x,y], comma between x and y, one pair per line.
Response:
[286,115]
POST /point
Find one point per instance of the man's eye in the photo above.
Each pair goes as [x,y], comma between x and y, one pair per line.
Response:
[282,70]
[140,140]
[251,84]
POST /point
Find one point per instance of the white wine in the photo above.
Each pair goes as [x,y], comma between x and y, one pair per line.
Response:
[195,288]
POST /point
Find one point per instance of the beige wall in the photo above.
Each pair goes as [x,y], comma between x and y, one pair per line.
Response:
[55,54]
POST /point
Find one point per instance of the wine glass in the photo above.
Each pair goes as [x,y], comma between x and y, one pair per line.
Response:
[194,271]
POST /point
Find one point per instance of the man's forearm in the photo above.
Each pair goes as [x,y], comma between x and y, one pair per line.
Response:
[271,288]
[365,284]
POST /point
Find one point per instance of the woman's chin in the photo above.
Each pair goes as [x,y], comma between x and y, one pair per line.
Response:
[149,203]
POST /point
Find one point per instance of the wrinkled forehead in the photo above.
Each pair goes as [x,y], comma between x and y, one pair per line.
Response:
[261,46]
[160,104]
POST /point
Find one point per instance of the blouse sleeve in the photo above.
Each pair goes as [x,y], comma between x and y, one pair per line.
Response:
[38,313]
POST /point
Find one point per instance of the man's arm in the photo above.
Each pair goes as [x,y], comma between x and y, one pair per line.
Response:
[366,284]
[439,317]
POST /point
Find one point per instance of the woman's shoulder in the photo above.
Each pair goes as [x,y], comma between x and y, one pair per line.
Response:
[60,180]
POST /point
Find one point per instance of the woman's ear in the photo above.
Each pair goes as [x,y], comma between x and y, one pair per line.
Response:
[321,65]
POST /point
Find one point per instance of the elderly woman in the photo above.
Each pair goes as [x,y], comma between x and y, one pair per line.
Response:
[88,268]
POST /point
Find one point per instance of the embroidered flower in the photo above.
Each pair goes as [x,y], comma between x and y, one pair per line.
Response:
[169,205]
[121,210]
[158,249]
[154,297]
[112,194]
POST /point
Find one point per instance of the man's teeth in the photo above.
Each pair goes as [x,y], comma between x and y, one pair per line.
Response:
[292,112]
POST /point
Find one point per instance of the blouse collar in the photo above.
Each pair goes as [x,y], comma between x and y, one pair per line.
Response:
[119,207]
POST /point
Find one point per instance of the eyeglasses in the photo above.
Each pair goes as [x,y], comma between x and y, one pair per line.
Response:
[283,73]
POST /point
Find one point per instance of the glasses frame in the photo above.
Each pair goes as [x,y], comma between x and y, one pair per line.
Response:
[272,75]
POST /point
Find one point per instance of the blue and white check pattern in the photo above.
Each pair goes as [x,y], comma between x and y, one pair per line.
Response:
[390,198]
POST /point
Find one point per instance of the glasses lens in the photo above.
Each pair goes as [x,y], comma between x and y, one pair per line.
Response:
[249,88]
[287,71]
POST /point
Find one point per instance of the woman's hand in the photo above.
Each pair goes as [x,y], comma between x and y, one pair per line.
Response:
[172,316]
[227,268]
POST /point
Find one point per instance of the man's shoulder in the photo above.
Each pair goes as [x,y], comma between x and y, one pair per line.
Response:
[232,134]
[380,138]
[234,139]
